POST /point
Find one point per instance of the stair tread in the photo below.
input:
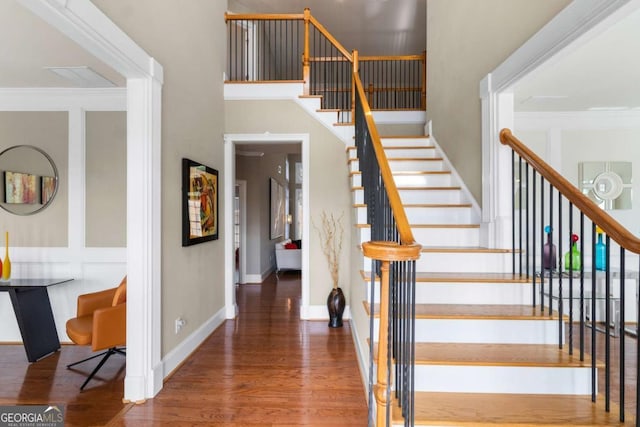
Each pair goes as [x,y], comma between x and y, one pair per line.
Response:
[431,225]
[449,277]
[421,173]
[476,311]
[428,205]
[515,410]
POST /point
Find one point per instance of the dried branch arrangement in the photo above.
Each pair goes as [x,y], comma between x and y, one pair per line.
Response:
[331,232]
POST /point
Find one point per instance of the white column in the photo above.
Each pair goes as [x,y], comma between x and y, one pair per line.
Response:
[144,369]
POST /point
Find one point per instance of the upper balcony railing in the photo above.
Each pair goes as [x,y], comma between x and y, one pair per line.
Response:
[296,47]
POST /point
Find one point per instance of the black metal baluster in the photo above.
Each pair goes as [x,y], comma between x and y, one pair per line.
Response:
[526,202]
[607,340]
[542,227]
[560,294]
[593,312]
[621,321]
[552,265]
[582,308]
[513,211]
[520,215]
[533,237]
[571,267]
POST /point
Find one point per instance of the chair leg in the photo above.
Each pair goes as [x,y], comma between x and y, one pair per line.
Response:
[106,354]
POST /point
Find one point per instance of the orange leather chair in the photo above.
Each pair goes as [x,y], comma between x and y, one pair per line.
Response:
[101,323]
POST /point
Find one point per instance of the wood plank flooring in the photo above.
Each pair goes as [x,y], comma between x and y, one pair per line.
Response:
[266,368]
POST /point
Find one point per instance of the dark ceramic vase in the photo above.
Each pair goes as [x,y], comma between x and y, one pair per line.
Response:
[335,305]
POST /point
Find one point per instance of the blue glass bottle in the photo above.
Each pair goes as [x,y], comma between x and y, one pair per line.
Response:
[601,252]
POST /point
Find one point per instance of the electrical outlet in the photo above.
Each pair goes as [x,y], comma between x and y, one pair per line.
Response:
[180,322]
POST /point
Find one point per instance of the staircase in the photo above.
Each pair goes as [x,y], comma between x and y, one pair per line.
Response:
[484,355]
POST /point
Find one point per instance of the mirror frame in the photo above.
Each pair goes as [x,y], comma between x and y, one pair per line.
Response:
[55,173]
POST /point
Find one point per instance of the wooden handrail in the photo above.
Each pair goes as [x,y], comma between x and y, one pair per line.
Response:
[261,16]
[406,235]
[601,218]
[330,37]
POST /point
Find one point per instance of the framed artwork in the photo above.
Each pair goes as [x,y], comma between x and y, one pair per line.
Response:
[277,209]
[47,188]
[20,188]
[199,203]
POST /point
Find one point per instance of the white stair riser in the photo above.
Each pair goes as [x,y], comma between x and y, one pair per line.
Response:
[406,165]
[430,196]
[412,153]
[416,165]
[427,215]
[491,331]
[474,293]
[423,180]
[469,293]
[447,236]
[468,262]
[356,180]
[358,196]
[405,142]
[413,196]
[500,379]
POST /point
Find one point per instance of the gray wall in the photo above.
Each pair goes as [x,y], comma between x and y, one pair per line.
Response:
[106,170]
[328,177]
[467,39]
[189,41]
[48,131]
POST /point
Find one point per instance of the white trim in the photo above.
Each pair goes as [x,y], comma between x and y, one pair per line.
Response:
[363,358]
[229,178]
[62,99]
[574,120]
[85,24]
[182,351]
[257,278]
[578,21]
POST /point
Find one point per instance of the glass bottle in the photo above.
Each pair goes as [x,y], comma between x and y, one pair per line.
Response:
[601,252]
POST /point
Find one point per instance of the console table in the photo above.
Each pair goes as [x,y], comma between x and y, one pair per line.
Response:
[32,308]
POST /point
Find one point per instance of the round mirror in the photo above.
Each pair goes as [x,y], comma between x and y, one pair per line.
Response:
[29,180]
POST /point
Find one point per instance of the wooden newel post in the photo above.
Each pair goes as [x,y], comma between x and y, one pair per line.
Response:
[306,67]
[386,252]
[356,68]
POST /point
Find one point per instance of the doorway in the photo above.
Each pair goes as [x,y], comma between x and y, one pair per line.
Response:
[266,140]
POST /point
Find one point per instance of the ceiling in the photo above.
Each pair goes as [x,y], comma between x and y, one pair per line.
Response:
[601,74]
[30,44]
[373,27]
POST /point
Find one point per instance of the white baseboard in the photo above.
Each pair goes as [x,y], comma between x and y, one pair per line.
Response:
[258,278]
[363,360]
[179,354]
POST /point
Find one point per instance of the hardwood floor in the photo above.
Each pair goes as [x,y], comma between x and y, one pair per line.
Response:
[267,368]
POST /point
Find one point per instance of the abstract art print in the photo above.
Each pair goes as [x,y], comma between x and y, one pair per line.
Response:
[47,188]
[20,188]
[199,203]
